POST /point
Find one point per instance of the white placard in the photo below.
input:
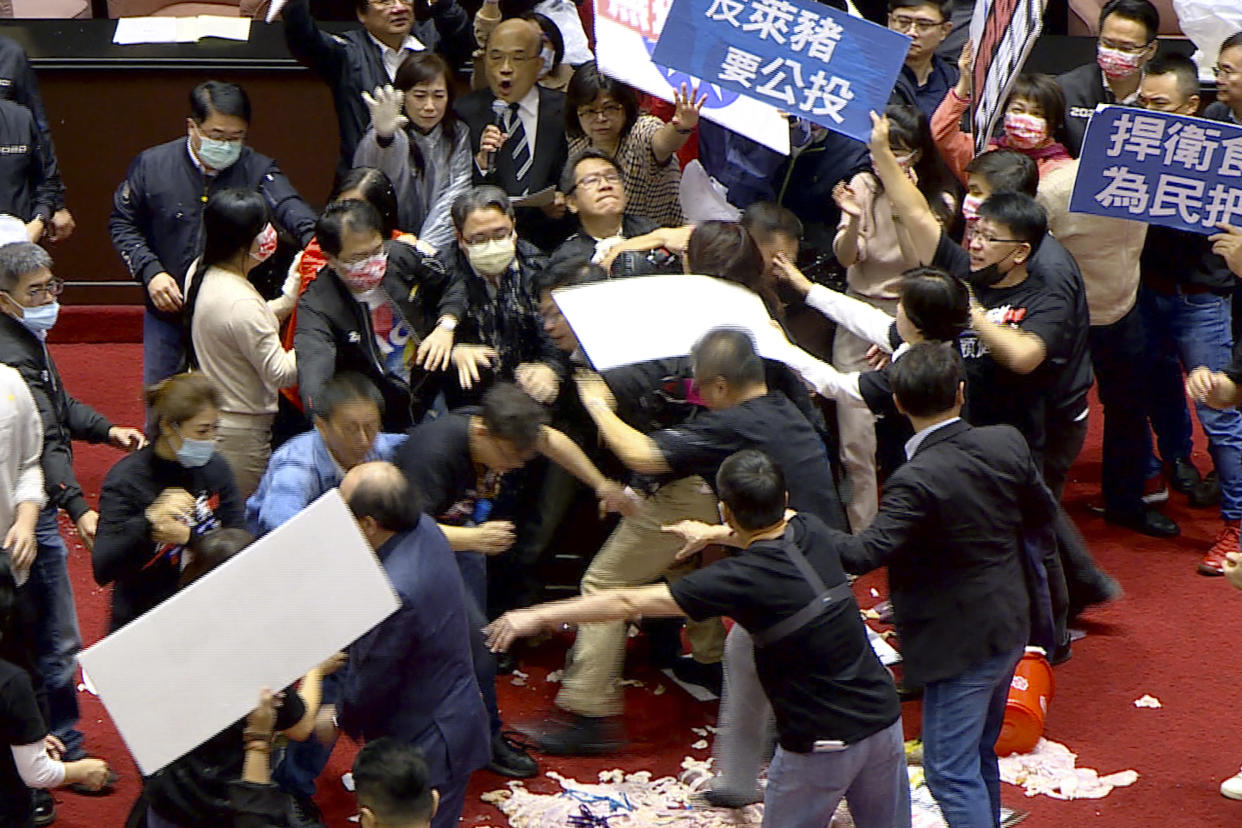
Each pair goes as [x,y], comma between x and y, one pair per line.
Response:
[623,51]
[192,666]
[624,321]
[135,30]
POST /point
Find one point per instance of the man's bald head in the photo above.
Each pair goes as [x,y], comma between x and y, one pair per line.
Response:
[381,492]
[513,62]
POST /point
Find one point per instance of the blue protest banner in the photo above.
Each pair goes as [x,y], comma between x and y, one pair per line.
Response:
[1164,169]
[798,55]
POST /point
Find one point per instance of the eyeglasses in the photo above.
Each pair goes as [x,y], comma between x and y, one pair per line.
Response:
[1225,70]
[1129,48]
[608,110]
[496,235]
[990,240]
[502,57]
[595,179]
[53,288]
[902,23]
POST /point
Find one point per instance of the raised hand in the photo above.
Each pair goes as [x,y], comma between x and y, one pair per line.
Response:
[386,106]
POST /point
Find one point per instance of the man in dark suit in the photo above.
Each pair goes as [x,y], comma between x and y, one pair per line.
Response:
[360,60]
[951,529]
[411,677]
[517,130]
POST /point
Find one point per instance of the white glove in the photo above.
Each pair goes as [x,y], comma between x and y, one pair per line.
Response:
[386,111]
[293,279]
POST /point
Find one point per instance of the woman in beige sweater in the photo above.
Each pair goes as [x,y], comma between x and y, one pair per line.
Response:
[234,335]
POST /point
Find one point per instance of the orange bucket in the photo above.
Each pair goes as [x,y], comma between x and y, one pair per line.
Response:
[1027,706]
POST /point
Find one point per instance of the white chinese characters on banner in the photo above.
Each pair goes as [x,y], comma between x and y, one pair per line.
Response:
[783,80]
[1198,150]
[625,35]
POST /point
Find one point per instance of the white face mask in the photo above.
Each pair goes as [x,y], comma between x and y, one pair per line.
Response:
[493,256]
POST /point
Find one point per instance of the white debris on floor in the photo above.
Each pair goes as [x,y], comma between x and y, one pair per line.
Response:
[1148,701]
[1049,770]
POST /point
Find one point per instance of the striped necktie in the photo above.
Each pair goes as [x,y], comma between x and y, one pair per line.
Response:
[522,158]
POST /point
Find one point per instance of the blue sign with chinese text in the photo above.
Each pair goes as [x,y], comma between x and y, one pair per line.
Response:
[1171,170]
[798,55]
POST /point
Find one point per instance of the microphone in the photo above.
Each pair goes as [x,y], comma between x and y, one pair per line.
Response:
[499,108]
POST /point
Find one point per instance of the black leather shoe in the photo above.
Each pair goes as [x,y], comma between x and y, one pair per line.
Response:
[44,808]
[728,799]
[1207,493]
[583,736]
[509,758]
[506,663]
[1081,596]
[1182,475]
[1147,522]
[708,676]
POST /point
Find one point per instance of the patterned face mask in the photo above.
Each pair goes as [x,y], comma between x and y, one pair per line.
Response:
[1025,131]
[366,274]
[268,240]
[1116,64]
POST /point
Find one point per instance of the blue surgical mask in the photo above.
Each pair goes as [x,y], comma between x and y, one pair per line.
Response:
[195,453]
[219,155]
[40,319]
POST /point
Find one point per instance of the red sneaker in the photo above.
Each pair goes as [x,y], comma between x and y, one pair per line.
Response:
[1213,562]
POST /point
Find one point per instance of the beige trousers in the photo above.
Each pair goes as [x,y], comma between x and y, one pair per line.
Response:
[245,440]
[856,425]
[636,554]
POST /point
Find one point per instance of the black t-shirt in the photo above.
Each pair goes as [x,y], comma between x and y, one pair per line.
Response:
[823,680]
[771,424]
[1069,358]
[436,460]
[996,395]
[20,724]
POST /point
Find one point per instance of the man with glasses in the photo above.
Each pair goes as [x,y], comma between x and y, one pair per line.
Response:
[517,130]
[359,61]
[1228,104]
[501,337]
[927,75]
[1128,30]
[595,192]
[388,312]
[28,310]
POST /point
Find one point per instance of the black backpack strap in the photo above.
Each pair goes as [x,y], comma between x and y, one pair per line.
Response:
[817,606]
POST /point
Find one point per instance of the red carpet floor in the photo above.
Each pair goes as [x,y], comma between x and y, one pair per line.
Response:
[1171,636]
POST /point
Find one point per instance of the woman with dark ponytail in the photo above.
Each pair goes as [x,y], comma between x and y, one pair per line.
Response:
[234,335]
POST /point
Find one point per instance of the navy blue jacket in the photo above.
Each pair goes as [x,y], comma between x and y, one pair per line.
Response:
[28,185]
[350,63]
[157,213]
[18,84]
[411,677]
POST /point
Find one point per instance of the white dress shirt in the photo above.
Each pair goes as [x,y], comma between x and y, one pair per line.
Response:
[912,445]
[392,57]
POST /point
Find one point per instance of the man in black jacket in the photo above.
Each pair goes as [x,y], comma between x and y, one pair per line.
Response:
[1128,30]
[29,186]
[28,303]
[595,192]
[156,222]
[358,61]
[951,529]
[501,336]
[18,84]
[517,129]
[379,308]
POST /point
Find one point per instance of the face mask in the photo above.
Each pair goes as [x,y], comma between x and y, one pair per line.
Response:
[906,162]
[219,155]
[39,320]
[268,241]
[492,256]
[1025,131]
[194,454]
[970,207]
[549,57]
[1116,64]
[367,274]
[990,275]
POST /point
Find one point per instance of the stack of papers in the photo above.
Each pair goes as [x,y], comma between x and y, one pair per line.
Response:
[131,30]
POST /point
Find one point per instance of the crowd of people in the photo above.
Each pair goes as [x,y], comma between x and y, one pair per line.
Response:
[947,315]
